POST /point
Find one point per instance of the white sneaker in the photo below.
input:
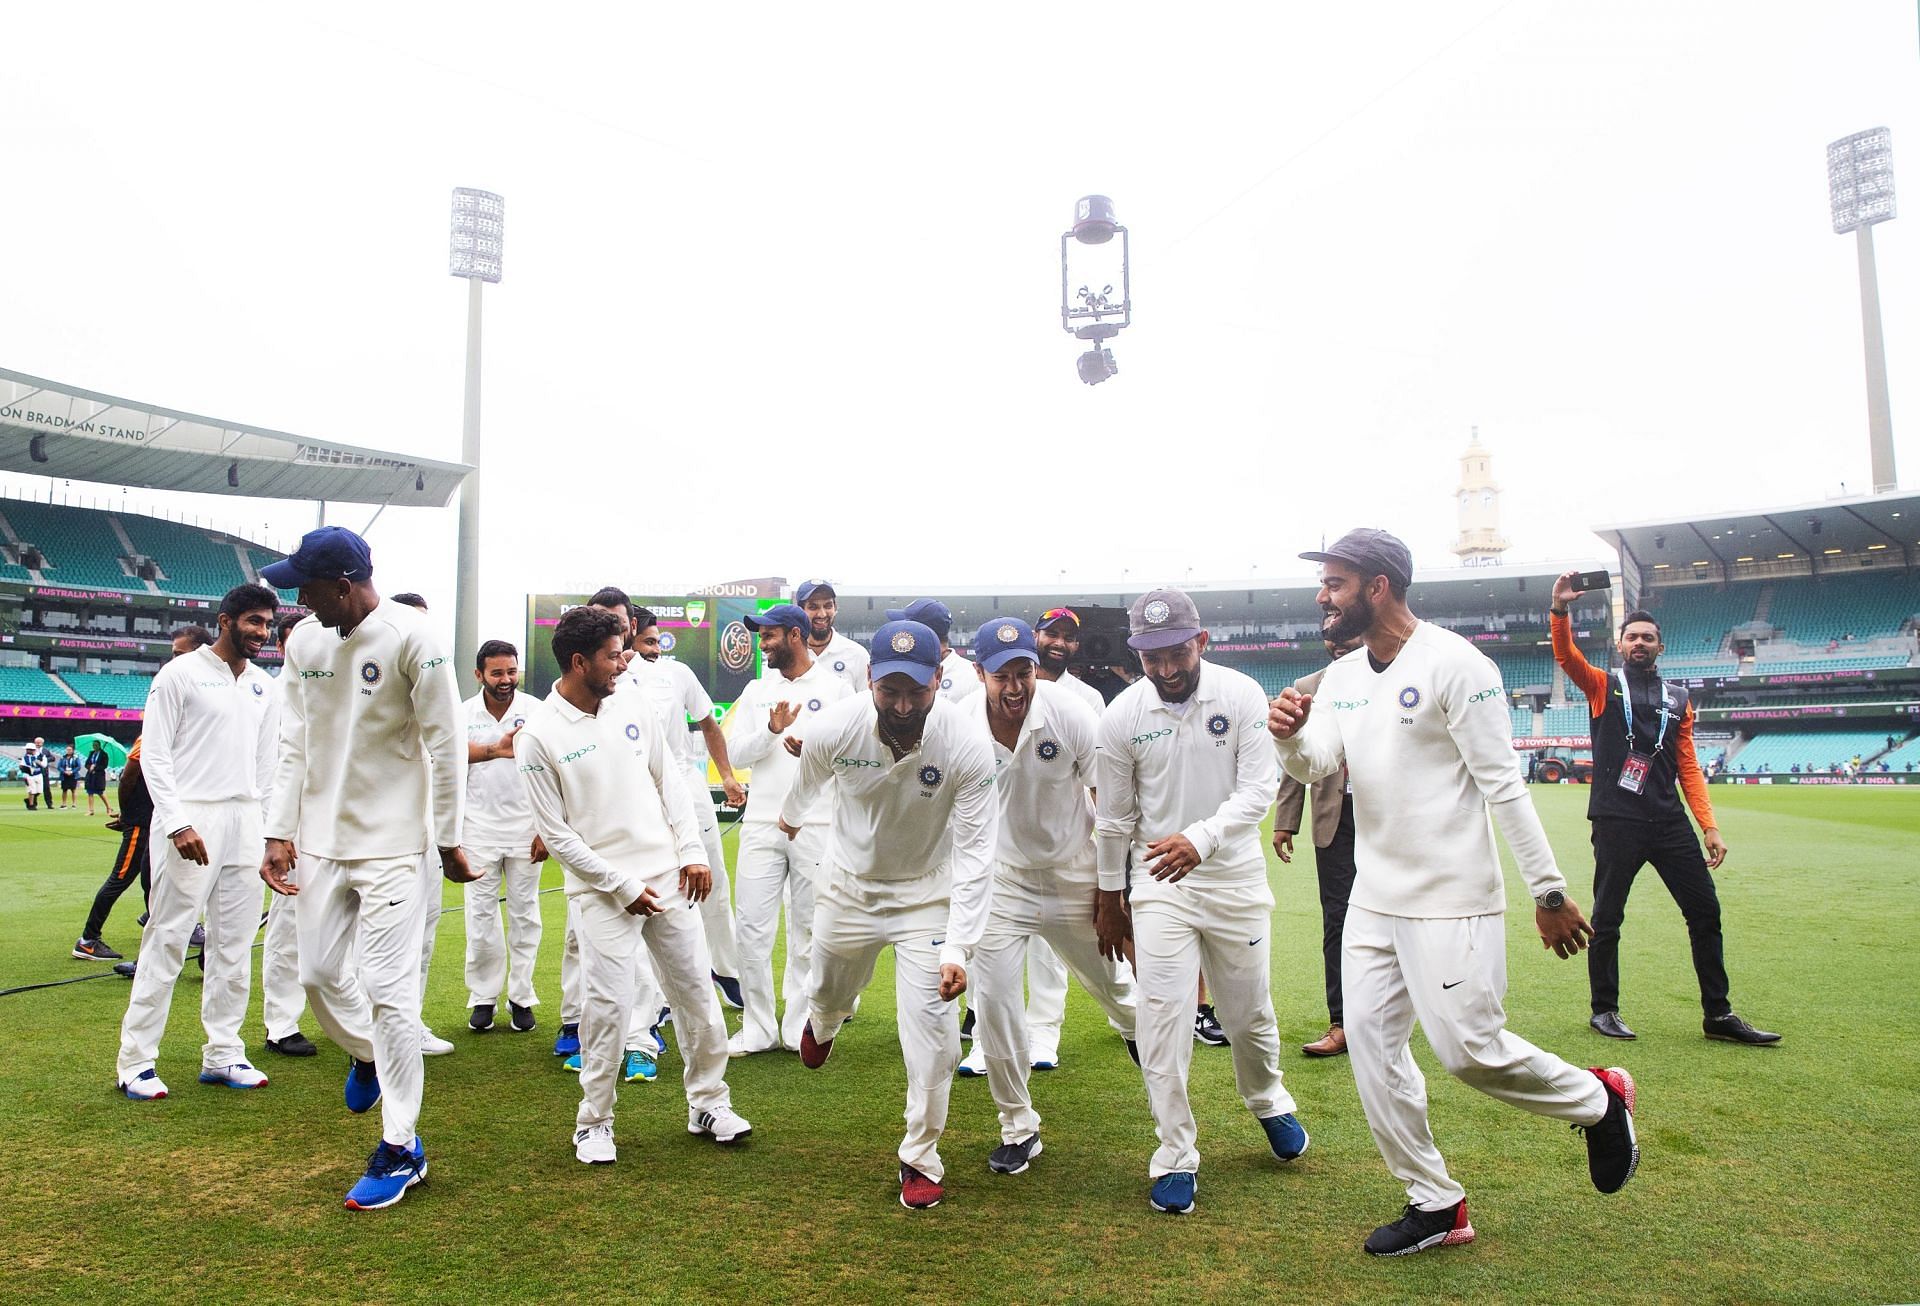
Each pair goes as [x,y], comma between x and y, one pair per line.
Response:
[722,1123]
[594,1145]
[1044,1053]
[144,1087]
[737,1046]
[237,1075]
[432,1045]
[975,1063]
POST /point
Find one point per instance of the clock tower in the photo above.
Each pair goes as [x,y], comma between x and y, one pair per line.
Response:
[1479,543]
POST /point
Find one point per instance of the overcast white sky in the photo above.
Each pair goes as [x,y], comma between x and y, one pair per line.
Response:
[781,289]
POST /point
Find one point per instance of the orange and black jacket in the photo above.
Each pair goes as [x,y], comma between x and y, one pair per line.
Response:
[1673,762]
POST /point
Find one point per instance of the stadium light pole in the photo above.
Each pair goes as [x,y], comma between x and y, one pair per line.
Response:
[474,253]
[1860,189]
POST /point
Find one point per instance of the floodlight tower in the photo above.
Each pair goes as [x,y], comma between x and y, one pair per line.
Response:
[1860,188]
[474,253]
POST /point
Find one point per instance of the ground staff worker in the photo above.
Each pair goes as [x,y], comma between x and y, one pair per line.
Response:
[1642,749]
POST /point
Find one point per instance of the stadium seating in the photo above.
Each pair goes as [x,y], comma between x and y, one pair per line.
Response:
[30,685]
[1837,662]
[109,690]
[1520,668]
[1694,619]
[194,563]
[1568,720]
[79,546]
[1812,610]
[1812,750]
[1522,721]
[1899,758]
[1699,667]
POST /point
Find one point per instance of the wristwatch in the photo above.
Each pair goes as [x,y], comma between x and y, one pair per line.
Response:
[1551,900]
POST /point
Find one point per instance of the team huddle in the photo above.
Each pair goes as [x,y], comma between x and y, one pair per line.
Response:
[991,820]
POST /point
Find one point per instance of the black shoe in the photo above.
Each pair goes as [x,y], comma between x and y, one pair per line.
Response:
[1012,1158]
[729,990]
[142,918]
[1133,1050]
[1206,1027]
[1727,1029]
[1610,1024]
[1417,1230]
[966,1026]
[123,968]
[521,1017]
[95,950]
[480,1019]
[198,939]
[1613,1153]
[295,1044]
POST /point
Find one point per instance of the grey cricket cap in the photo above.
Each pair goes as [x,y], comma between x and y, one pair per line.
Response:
[1374,552]
[1161,619]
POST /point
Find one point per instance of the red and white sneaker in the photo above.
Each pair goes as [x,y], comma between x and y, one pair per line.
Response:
[813,1053]
[1417,1230]
[917,1192]
[1613,1152]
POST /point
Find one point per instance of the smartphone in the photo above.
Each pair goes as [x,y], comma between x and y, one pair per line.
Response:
[1592,580]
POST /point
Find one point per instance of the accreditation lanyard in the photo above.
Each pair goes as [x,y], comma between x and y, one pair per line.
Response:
[1626,707]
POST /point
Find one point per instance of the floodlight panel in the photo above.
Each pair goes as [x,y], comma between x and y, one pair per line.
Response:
[1860,179]
[478,232]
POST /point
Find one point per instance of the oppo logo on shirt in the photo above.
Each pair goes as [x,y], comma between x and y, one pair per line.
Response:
[431,664]
[531,766]
[578,753]
[316,675]
[1485,694]
[854,763]
[1345,705]
[1151,735]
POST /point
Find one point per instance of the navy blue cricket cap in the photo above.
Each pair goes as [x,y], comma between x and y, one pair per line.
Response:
[329,553]
[780,614]
[1000,642]
[905,648]
[807,587]
[1372,553]
[931,613]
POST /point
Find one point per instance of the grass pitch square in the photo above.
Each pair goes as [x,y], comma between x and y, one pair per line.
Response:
[1783,1174]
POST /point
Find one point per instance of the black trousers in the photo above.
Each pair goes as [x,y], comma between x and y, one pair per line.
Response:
[130,865]
[1334,864]
[1620,849]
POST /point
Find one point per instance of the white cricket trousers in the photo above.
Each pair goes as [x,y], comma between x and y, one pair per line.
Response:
[182,891]
[429,912]
[497,959]
[282,997]
[1031,906]
[613,948]
[647,996]
[1451,974]
[1047,998]
[770,863]
[853,920]
[716,911]
[359,925]
[1178,929]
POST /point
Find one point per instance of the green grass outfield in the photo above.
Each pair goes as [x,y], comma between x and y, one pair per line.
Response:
[1783,1174]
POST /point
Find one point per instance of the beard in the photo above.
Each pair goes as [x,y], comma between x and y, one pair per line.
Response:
[1351,623]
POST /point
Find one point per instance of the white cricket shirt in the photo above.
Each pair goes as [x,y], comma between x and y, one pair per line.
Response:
[607,799]
[361,717]
[847,660]
[1203,768]
[1046,813]
[958,679]
[1081,690]
[931,813]
[209,736]
[751,744]
[1428,746]
[499,816]
[675,696]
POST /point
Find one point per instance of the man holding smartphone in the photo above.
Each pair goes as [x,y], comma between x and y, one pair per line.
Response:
[1642,750]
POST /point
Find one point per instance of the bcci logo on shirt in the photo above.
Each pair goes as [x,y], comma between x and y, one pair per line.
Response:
[736,647]
[1409,698]
[813,705]
[370,673]
[840,667]
[929,776]
[633,731]
[1218,725]
[258,690]
[1046,750]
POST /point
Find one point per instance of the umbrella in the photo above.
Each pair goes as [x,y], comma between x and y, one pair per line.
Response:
[116,751]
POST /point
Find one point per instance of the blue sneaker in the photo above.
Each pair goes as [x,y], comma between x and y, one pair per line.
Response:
[390,1172]
[640,1067]
[659,1042]
[572,1063]
[729,990]
[1173,1193]
[363,1087]
[568,1044]
[1285,1136]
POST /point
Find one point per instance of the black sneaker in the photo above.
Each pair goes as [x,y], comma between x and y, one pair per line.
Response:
[1012,1158]
[966,1026]
[1613,1153]
[295,1044]
[521,1017]
[142,918]
[95,950]
[1133,1049]
[1206,1027]
[480,1019]
[1417,1230]
[1727,1029]
[198,939]
[123,968]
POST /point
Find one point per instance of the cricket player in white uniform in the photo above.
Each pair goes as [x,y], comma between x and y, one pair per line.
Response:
[207,754]
[610,801]
[1419,718]
[431,1044]
[840,655]
[367,697]
[1186,775]
[679,698]
[1044,880]
[282,998]
[779,706]
[501,846]
[957,678]
[909,864]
